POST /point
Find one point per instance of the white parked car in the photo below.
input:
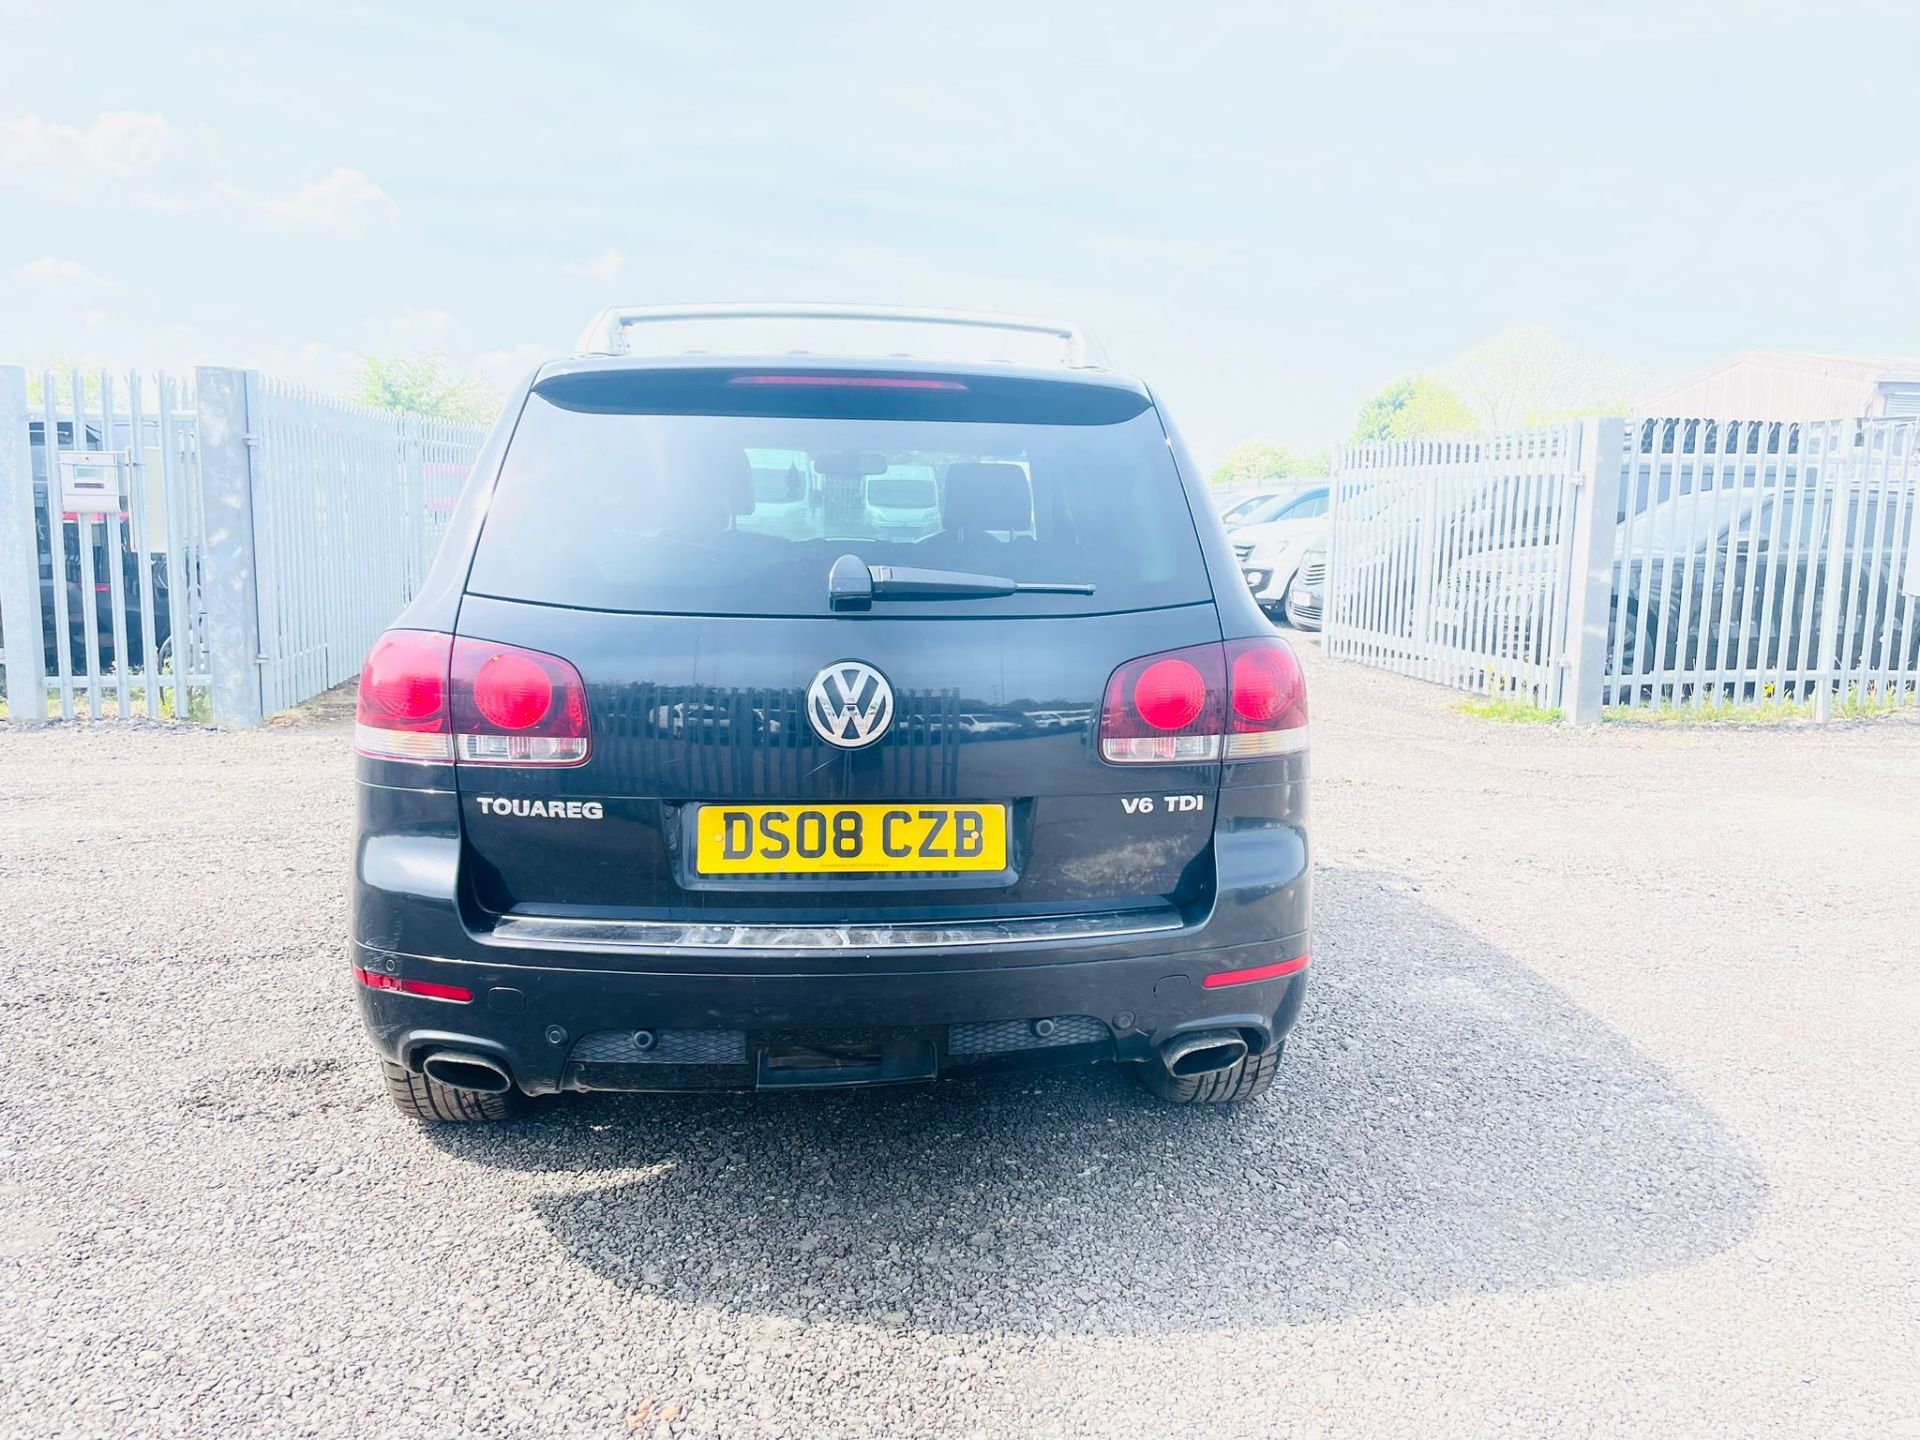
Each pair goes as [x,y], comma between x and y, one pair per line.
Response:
[1270,552]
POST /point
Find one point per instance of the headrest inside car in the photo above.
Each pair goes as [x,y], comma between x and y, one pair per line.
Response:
[733,474]
[702,492]
[985,495]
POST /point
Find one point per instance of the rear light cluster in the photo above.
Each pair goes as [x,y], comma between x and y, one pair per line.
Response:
[428,697]
[1237,701]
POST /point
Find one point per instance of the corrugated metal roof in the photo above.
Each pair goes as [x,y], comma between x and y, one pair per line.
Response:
[1792,385]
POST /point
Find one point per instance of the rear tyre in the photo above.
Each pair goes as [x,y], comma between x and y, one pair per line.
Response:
[1248,1078]
[431,1103]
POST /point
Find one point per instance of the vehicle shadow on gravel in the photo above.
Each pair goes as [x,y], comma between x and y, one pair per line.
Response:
[1446,1123]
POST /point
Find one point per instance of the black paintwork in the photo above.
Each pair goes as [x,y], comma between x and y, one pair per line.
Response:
[690,708]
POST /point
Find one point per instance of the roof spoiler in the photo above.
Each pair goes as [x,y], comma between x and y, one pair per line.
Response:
[606,333]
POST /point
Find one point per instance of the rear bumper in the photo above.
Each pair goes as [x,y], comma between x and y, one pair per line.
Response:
[558,1027]
[943,992]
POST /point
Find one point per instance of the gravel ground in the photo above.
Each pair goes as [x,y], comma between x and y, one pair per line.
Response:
[1601,1120]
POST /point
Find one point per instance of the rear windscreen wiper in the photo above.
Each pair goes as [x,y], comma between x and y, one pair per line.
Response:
[852,584]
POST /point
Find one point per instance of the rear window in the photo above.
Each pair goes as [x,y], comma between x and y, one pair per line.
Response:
[739,498]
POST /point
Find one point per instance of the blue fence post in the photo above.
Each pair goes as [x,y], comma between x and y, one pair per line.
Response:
[230,576]
[20,618]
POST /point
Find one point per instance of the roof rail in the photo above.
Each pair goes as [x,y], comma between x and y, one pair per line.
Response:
[606,333]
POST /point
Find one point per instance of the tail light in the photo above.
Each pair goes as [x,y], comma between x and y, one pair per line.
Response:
[401,713]
[1266,699]
[428,698]
[517,707]
[1238,701]
[1166,709]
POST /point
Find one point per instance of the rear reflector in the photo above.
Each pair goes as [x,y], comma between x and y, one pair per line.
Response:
[425,989]
[1258,972]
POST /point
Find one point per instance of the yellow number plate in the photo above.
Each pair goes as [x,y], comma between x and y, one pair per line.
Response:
[797,839]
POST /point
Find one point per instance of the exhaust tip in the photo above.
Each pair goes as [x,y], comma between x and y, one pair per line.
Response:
[1202,1053]
[459,1070]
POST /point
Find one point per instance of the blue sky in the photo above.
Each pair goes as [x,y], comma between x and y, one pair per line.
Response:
[1269,211]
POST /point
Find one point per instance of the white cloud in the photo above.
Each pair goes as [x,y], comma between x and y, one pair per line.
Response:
[604,267]
[54,279]
[343,203]
[317,364]
[116,144]
[83,162]
[411,330]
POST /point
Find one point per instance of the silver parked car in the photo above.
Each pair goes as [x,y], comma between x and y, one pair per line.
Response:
[1306,600]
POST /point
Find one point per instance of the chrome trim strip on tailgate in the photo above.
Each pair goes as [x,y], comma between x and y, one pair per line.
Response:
[550,932]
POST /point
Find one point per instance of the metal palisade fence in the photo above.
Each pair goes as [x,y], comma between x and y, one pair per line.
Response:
[215,552]
[101,534]
[348,504]
[1665,561]
[1427,539]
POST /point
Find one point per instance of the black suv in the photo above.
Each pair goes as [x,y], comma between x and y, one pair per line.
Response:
[675,778]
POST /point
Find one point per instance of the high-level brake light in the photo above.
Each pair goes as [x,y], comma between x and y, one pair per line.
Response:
[851,382]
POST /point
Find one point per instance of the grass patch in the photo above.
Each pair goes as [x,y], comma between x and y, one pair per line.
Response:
[1851,706]
[1504,710]
[1854,705]
[199,704]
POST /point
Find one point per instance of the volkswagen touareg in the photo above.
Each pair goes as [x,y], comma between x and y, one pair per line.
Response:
[692,767]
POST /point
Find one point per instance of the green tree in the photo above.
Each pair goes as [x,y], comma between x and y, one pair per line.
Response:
[1256,461]
[1415,405]
[62,371]
[1529,376]
[422,385]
